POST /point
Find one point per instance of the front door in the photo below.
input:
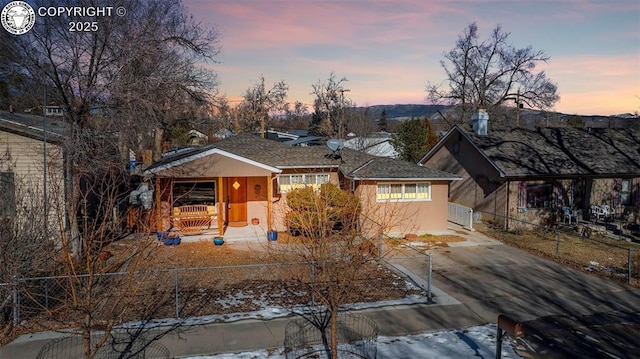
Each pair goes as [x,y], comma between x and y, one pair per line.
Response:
[237,190]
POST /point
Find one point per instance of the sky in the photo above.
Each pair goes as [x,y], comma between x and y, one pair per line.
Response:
[389,50]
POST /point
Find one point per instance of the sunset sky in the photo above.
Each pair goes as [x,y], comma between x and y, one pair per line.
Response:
[390,50]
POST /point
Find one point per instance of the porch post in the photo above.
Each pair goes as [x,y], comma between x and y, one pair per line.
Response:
[158,206]
[507,213]
[220,207]
[269,203]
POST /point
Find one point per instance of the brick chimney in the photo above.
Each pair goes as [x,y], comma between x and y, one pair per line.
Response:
[480,122]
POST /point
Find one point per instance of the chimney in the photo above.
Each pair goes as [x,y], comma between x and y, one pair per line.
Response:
[480,122]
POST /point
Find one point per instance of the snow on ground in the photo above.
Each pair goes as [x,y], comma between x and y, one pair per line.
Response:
[478,341]
[473,342]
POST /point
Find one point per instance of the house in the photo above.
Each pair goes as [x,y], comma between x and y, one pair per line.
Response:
[533,173]
[245,177]
[377,144]
[27,186]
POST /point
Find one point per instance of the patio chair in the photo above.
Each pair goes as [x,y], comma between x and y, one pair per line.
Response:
[608,212]
[569,215]
[596,212]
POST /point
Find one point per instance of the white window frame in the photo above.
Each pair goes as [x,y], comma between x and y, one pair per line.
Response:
[403,191]
[301,180]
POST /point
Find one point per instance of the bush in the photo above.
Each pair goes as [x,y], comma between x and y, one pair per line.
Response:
[316,212]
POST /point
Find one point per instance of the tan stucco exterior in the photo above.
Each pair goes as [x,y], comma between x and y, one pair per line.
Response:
[397,218]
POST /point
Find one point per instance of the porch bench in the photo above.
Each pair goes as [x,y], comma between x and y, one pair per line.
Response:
[194,218]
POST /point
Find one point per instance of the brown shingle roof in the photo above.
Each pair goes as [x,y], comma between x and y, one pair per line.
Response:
[561,151]
[352,164]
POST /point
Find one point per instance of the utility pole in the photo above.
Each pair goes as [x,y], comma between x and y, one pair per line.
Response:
[342,106]
[44,162]
[518,108]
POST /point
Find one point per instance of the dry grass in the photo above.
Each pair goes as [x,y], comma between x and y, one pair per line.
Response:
[425,241]
[202,254]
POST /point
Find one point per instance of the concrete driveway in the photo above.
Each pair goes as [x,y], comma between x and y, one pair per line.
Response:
[567,313]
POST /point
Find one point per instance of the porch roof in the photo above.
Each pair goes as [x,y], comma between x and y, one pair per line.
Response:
[275,156]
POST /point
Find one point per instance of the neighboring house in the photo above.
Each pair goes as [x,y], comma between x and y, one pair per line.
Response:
[377,144]
[26,187]
[197,138]
[232,181]
[532,173]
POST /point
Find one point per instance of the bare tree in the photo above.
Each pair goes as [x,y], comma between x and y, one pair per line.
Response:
[336,241]
[488,74]
[140,71]
[296,117]
[136,75]
[329,107]
[259,102]
[120,86]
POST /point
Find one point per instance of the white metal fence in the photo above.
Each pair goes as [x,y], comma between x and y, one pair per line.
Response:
[461,215]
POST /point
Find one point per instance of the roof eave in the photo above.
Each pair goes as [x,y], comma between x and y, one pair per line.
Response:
[287,167]
[355,178]
[209,153]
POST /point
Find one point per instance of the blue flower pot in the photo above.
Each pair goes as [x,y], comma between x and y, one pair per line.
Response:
[162,235]
[272,235]
[172,241]
[218,241]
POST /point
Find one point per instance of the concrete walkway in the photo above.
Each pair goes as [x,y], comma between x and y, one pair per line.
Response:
[474,281]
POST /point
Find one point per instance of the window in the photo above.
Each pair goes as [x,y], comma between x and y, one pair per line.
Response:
[187,193]
[403,191]
[287,183]
[539,195]
[625,191]
[8,194]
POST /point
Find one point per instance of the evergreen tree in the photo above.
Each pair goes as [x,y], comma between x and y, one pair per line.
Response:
[382,122]
[411,140]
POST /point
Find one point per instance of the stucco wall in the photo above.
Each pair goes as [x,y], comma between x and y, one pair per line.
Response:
[398,218]
[280,207]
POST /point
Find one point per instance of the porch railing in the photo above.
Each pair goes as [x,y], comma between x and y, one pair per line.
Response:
[461,215]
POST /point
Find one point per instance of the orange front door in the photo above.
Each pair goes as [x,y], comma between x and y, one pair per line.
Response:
[237,189]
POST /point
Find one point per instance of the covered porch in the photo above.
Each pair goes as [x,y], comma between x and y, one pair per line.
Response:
[207,193]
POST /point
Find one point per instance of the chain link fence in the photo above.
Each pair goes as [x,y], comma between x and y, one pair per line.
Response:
[186,292]
[588,246]
[356,338]
[115,347]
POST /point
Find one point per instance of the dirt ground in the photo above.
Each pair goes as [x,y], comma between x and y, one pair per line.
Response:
[425,241]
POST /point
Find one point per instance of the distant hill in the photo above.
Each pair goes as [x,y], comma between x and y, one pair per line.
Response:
[528,118]
[404,112]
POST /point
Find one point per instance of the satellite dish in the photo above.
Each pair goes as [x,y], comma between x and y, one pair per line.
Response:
[335,144]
